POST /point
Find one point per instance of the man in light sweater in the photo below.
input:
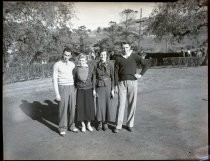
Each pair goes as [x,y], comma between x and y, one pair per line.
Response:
[65,91]
[126,81]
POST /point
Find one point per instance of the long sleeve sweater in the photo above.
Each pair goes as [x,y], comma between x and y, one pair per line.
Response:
[63,73]
[125,68]
[90,81]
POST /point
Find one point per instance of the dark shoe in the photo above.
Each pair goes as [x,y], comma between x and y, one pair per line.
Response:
[116,130]
[130,129]
[105,127]
[99,127]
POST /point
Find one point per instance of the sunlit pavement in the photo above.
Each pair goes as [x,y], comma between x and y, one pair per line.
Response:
[171,121]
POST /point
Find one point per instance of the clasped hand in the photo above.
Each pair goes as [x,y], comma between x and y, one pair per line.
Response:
[95,94]
[137,76]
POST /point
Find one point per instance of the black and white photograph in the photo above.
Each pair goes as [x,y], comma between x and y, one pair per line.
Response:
[105,80]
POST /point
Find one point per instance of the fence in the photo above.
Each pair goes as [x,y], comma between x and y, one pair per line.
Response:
[23,73]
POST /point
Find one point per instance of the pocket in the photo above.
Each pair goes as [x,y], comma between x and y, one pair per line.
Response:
[133,84]
[61,91]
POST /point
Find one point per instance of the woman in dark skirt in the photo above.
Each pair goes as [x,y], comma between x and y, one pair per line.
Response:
[105,90]
[85,83]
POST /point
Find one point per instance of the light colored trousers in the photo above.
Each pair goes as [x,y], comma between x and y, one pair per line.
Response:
[127,91]
[66,107]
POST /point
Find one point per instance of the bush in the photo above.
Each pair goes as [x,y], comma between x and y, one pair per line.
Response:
[24,73]
[176,61]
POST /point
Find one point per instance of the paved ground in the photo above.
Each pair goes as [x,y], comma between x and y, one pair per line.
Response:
[171,121]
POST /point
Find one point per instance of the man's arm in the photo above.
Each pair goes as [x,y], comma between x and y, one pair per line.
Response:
[55,82]
[116,75]
[94,80]
[144,65]
[112,76]
[116,70]
[94,77]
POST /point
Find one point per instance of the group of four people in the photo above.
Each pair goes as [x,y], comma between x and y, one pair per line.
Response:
[77,85]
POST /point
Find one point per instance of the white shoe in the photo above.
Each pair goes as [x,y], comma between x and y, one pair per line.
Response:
[89,128]
[62,133]
[83,129]
[75,130]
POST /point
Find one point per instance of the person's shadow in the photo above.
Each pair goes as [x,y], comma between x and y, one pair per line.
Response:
[45,114]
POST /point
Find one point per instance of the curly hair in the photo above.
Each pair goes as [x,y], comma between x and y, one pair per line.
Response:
[82,56]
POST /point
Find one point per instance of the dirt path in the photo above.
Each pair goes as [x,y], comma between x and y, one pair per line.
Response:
[171,121]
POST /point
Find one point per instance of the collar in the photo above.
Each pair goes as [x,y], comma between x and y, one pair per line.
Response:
[100,63]
[86,65]
[65,62]
[126,56]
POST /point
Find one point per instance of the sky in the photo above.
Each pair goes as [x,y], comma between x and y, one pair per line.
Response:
[95,14]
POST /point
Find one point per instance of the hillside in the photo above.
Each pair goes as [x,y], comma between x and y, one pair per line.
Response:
[148,42]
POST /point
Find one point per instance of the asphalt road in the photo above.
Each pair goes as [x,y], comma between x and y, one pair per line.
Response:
[171,121]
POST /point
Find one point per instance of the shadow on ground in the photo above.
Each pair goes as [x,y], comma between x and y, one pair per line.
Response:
[45,114]
[48,114]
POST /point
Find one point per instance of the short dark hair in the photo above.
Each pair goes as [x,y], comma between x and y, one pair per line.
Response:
[66,49]
[103,49]
[125,42]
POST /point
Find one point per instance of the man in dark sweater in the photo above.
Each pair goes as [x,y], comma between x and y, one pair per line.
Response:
[126,83]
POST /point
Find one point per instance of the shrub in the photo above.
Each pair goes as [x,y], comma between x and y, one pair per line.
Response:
[24,73]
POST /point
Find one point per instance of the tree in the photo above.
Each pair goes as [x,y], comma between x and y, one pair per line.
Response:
[99,29]
[178,19]
[113,28]
[128,16]
[28,27]
[112,33]
[81,34]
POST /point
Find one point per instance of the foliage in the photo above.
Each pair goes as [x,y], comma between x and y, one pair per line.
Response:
[39,31]
[116,33]
[99,29]
[35,27]
[127,30]
[178,19]
[173,25]
[128,15]
[81,39]
[24,73]
[112,39]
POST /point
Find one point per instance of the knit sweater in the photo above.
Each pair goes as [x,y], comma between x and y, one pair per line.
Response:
[82,73]
[89,82]
[125,68]
[63,72]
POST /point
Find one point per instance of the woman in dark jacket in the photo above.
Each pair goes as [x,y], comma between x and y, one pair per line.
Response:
[104,89]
